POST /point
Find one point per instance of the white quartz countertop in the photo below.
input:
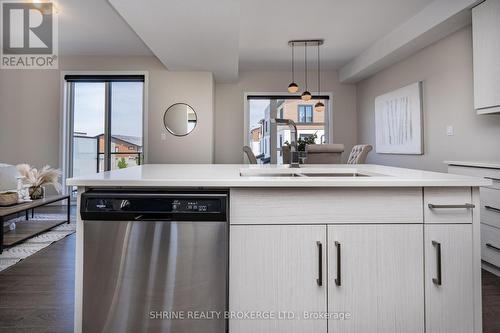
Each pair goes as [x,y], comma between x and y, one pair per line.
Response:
[229,175]
[477,164]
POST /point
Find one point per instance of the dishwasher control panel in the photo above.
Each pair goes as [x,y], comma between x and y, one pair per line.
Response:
[193,205]
[152,204]
[134,204]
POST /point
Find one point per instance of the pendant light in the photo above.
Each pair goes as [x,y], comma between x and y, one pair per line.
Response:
[293,87]
[319,106]
[306,95]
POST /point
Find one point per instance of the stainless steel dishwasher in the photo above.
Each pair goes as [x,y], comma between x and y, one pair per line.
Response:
[154,261]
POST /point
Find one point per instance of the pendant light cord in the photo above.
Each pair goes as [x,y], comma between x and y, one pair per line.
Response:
[305,61]
[319,84]
[293,61]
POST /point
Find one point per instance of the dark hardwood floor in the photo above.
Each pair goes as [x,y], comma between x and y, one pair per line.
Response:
[36,295]
[491,302]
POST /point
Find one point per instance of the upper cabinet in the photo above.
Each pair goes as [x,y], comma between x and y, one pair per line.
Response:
[486,52]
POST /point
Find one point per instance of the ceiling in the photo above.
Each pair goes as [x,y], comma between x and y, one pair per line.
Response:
[93,27]
[194,35]
[348,28]
[228,36]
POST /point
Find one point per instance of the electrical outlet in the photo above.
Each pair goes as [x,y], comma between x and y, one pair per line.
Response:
[450,130]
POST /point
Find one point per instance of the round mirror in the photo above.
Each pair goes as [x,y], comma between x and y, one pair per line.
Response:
[180,119]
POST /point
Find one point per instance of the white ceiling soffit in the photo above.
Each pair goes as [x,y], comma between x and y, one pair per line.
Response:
[93,28]
[191,35]
[437,20]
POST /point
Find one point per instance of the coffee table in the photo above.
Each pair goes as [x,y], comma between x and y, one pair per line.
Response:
[27,230]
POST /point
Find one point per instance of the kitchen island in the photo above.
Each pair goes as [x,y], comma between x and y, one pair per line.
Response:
[333,248]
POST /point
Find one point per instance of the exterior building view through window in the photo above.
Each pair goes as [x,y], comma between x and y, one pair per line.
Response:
[260,131]
[106,126]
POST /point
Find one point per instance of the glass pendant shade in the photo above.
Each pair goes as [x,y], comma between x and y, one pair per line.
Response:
[293,88]
[306,96]
[319,107]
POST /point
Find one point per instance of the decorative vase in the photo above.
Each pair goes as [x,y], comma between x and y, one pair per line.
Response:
[36,192]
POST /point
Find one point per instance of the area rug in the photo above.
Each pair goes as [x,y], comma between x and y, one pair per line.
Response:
[31,246]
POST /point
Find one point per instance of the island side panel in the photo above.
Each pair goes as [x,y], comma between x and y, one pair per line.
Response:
[326,205]
[476,258]
[79,265]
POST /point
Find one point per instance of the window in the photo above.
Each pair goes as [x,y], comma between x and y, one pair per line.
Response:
[305,136]
[106,118]
[305,113]
[266,139]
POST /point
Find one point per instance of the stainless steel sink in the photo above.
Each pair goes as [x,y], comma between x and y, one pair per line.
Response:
[354,174]
[288,173]
[274,175]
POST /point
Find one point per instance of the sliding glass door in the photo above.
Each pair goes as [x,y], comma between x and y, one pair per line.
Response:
[88,115]
[267,139]
[106,123]
[126,135]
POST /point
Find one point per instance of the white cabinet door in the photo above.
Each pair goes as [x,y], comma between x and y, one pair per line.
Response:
[376,274]
[486,46]
[449,302]
[276,270]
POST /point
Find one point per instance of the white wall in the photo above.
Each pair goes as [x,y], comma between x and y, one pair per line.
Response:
[30,110]
[446,71]
[29,117]
[195,89]
[229,110]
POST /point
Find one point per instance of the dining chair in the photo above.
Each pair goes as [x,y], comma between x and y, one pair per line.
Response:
[359,154]
[250,155]
[324,153]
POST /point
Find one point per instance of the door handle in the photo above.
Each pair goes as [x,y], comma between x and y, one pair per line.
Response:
[438,280]
[338,279]
[319,280]
[493,178]
[466,206]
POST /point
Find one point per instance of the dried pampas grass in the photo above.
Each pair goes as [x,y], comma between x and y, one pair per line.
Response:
[36,178]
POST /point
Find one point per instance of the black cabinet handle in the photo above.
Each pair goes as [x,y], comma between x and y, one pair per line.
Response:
[492,208]
[438,280]
[319,280]
[488,245]
[493,178]
[338,279]
[466,206]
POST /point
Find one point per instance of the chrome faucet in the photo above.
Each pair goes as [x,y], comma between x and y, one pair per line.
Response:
[294,153]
